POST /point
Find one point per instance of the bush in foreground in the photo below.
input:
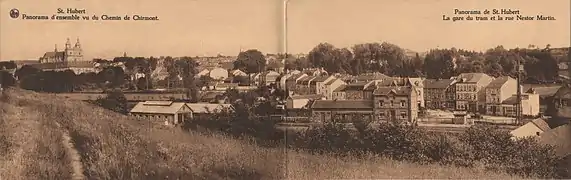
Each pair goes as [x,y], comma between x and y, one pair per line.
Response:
[482,146]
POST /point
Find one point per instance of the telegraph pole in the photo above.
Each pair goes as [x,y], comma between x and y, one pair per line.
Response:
[518,98]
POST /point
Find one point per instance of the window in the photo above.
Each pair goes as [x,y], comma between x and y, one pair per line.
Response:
[402,103]
[403,115]
[381,103]
[392,103]
[382,114]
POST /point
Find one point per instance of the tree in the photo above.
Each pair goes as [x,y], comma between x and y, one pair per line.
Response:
[6,79]
[333,60]
[438,64]
[115,101]
[250,61]
[26,70]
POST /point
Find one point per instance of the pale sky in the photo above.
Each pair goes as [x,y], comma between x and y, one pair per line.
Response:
[209,27]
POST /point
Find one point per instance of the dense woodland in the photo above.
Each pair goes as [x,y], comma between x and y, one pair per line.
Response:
[540,66]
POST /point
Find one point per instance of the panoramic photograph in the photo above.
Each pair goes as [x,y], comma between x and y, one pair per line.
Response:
[285,89]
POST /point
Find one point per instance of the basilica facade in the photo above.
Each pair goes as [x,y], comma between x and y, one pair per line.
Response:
[69,54]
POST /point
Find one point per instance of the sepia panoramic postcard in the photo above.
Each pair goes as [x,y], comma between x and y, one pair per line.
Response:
[285,89]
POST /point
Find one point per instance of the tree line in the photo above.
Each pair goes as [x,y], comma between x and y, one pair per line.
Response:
[540,65]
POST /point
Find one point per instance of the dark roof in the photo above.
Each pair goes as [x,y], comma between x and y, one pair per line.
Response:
[340,88]
[396,90]
[499,82]
[511,100]
[306,79]
[54,54]
[342,104]
[210,95]
[358,86]
[437,84]
[471,77]
[563,93]
[542,91]
[319,79]
[541,124]
[560,137]
[294,77]
[308,96]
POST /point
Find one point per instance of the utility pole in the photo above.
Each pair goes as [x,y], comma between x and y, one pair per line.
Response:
[518,98]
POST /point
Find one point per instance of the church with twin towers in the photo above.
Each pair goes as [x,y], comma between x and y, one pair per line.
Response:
[69,54]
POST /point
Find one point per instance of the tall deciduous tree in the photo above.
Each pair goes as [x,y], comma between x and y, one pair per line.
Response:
[250,61]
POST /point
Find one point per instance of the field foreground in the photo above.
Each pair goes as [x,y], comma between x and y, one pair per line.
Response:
[48,137]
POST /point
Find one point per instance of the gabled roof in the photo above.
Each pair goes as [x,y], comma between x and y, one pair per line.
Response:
[320,79]
[342,104]
[332,81]
[542,91]
[541,124]
[401,91]
[437,84]
[471,77]
[499,82]
[560,137]
[340,88]
[206,107]
[158,107]
[60,54]
[295,77]
[306,79]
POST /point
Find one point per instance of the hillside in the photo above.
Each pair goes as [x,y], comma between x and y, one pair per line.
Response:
[34,130]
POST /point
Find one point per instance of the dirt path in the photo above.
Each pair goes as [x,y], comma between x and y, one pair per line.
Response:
[72,155]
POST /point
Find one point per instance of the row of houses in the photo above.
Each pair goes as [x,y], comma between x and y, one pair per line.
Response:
[471,92]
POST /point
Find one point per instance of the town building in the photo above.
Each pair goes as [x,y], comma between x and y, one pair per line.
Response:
[268,77]
[301,101]
[396,104]
[534,128]
[302,86]
[529,105]
[341,110]
[470,91]
[435,93]
[497,92]
[237,72]
[359,90]
[171,113]
[339,93]
[218,74]
[330,86]
[202,109]
[317,85]
[546,95]
[293,80]
[562,102]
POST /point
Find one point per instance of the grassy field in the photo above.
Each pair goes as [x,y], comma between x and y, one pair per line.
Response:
[113,146]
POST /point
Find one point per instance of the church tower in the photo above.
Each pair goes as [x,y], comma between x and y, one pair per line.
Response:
[74,53]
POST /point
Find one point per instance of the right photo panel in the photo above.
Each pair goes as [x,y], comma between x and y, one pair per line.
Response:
[427,89]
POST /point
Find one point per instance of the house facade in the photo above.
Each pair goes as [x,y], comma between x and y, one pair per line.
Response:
[317,85]
[529,105]
[437,93]
[339,93]
[470,91]
[292,81]
[497,92]
[396,104]
[341,110]
[171,113]
[269,77]
[302,86]
[330,86]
